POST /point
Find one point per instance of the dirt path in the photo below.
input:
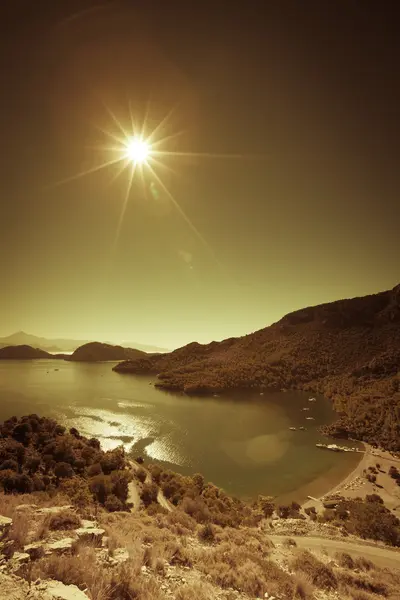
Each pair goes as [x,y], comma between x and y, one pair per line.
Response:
[382,557]
[134,494]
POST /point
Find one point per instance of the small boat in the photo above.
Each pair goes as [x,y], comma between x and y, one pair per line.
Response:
[306,408]
[310,419]
[312,399]
[302,428]
[261,393]
[292,428]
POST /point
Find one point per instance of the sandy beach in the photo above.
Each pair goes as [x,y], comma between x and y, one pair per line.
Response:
[356,485]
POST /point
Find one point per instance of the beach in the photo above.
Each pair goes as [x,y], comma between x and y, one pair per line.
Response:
[355,484]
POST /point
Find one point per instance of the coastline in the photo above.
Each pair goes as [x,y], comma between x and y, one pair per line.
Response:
[356,485]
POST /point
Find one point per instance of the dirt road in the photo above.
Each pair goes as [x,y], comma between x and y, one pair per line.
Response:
[381,556]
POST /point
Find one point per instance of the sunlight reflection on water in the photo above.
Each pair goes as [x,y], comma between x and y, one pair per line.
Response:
[163,449]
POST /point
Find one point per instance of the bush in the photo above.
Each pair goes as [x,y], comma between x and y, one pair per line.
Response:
[320,574]
[64,520]
[9,465]
[142,475]
[113,504]
[207,533]
[344,560]
[94,470]
[63,470]
[373,498]
[149,493]
[101,487]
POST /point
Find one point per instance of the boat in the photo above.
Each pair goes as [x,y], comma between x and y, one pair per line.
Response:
[292,428]
[310,419]
[302,428]
[334,447]
[312,399]
[306,408]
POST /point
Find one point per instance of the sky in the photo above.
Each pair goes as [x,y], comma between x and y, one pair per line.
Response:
[280,189]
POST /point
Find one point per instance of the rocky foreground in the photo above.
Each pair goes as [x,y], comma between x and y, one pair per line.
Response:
[348,350]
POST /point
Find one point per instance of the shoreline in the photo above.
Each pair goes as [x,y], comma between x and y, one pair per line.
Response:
[356,485]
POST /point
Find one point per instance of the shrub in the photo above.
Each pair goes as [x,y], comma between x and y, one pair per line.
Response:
[197,509]
[149,493]
[283,511]
[101,487]
[373,498]
[9,465]
[207,533]
[267,506]
[64,520]
[320,574]
[94,470]
[142,475]
[77,490]
[120,481]
[344,560]
[113,504]
[63,470]
[304,589]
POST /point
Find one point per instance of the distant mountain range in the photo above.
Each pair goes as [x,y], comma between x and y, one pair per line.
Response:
[63,345]
[348,350]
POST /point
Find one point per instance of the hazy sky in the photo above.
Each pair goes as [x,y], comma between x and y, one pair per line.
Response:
[307,92]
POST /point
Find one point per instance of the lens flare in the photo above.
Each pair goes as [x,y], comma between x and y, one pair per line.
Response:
[137,150]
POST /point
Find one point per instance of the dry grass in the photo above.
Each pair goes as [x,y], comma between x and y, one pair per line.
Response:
[235,567]
[321,575]
[250,539]
[19,532]
[65,520]
[121,583]
[9,502]
[198,590]
[178,522]
[304,588]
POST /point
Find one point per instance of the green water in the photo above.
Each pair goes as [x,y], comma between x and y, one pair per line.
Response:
[241,442]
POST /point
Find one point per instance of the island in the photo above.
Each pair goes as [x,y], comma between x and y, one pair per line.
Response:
[97,352]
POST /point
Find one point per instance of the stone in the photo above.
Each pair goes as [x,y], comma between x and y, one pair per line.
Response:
[53,510]
[35,550]
[120,555]
[5,523]
[55,590]
[93,535]
[25,507]
[21,557]
[88,524]
[60,546]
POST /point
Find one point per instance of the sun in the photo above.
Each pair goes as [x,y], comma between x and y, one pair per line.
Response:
[137,150]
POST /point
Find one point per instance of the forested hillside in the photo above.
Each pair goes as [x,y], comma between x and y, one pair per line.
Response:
[348,350]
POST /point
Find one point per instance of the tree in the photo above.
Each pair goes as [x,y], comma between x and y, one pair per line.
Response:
[101,487]
[198,481]
[266,505]
[149,493]
[63,470]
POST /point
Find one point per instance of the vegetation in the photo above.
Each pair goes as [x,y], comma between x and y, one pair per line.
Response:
[347,350]
[368,519]
[37,454]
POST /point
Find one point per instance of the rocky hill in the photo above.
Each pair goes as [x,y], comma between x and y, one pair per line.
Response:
[23,352]
[96,351]
[348,350]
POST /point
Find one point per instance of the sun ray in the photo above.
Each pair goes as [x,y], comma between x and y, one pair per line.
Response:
[116,121]
[161,124]
[185,217]
[124,206]
[84,173]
